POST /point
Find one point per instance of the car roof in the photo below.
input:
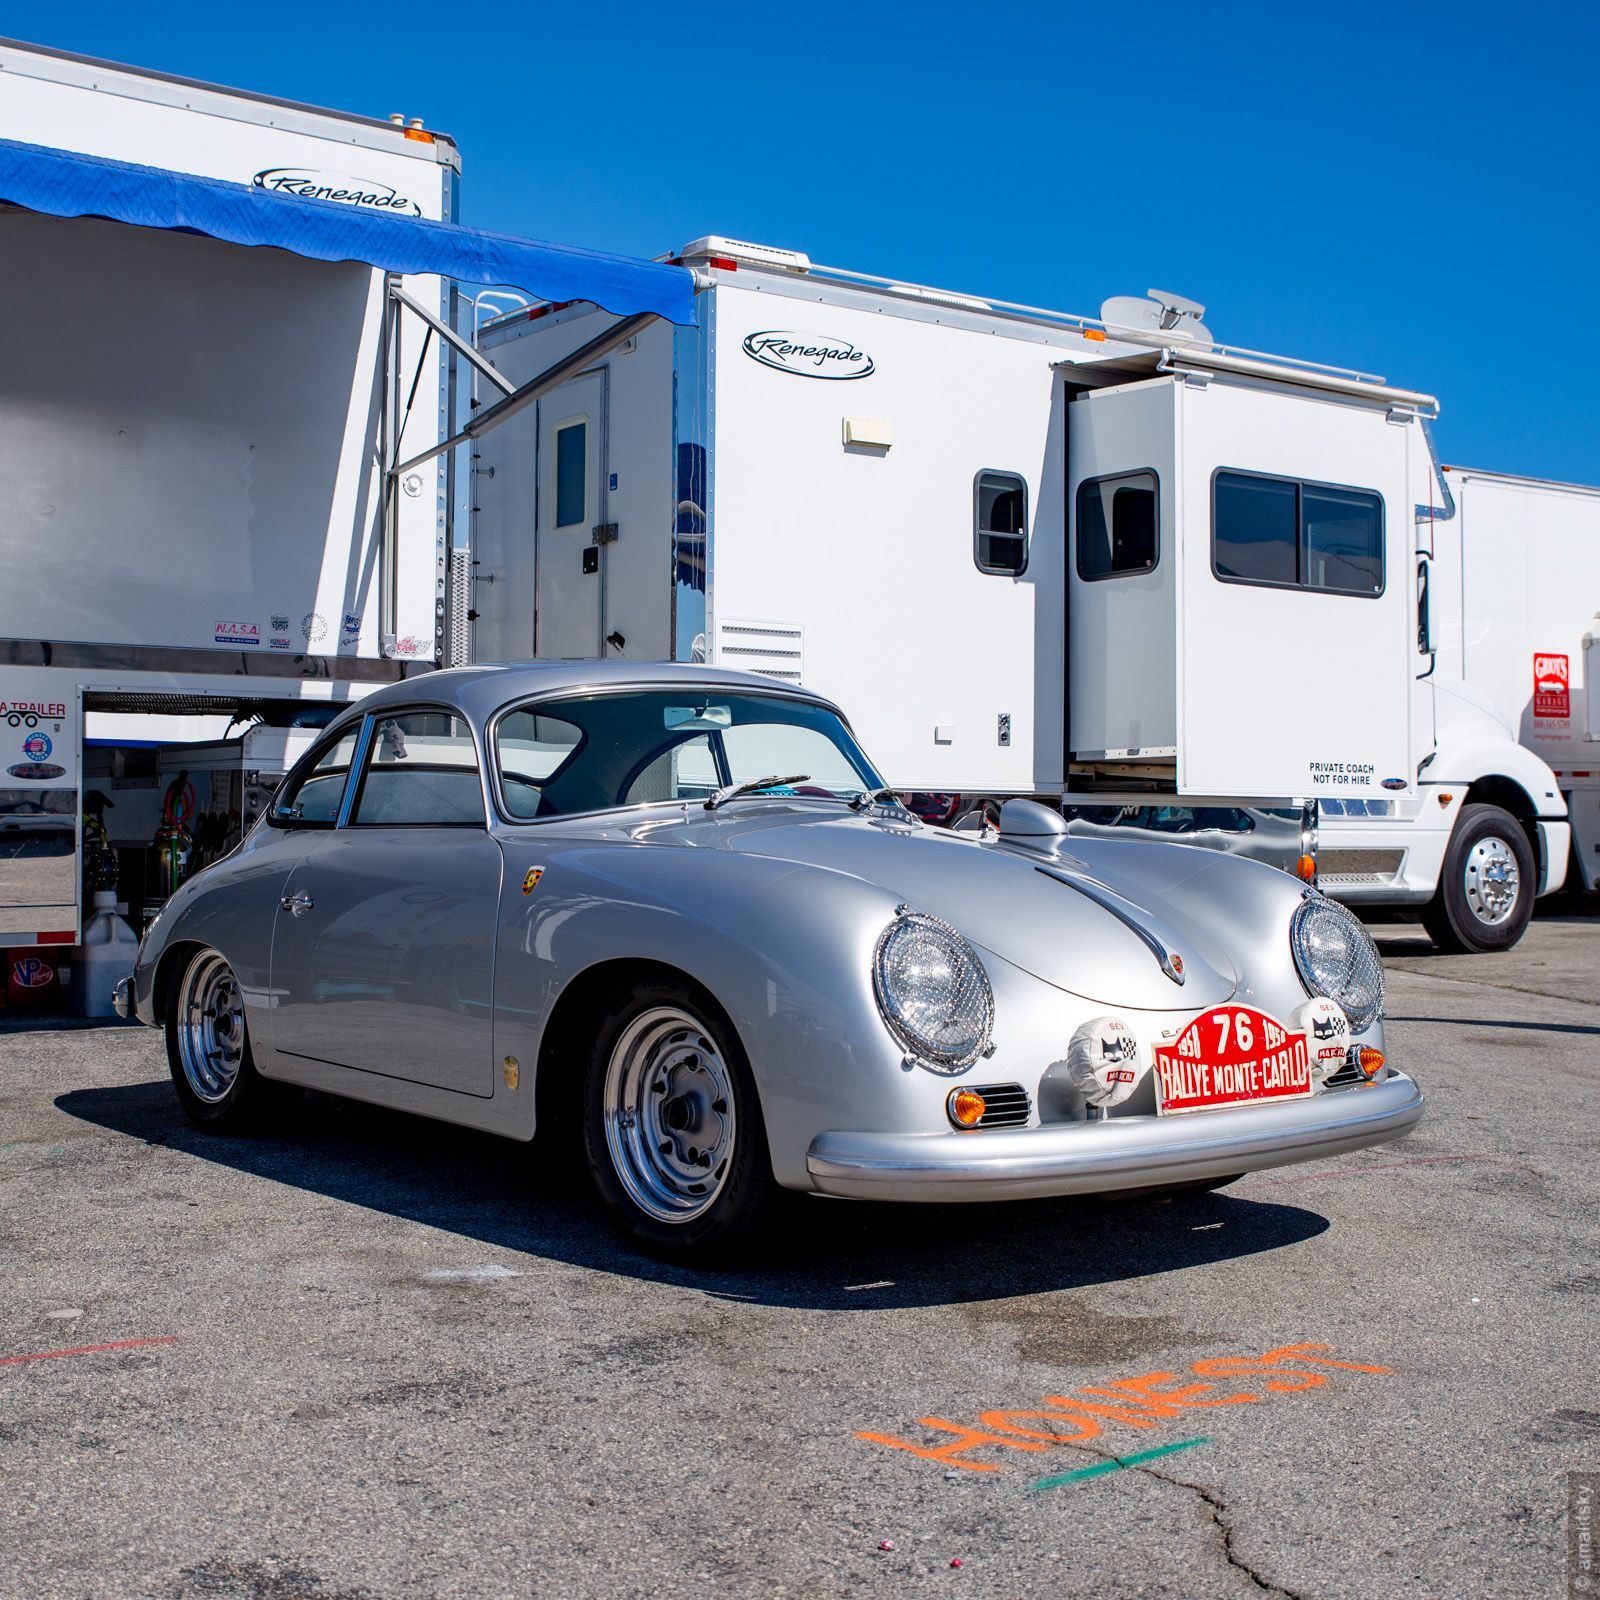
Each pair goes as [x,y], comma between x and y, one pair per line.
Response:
[479,691]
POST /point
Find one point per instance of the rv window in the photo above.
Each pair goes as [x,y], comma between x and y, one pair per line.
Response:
[572,473]
[1256,529]
[1305,535]
[1000,523]
[1343,539]
[1117,522]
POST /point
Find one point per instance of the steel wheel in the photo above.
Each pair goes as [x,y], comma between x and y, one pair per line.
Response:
[209,1027]
[1491,881]
[668,1108]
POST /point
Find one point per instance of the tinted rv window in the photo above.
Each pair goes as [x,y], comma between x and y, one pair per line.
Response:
[1256,529]
[572,473]
[1343,539]
[1000,523]
[1286,532]
[1117,522]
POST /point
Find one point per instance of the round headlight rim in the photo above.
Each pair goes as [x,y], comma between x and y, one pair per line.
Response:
[917,1049]
[1314,903]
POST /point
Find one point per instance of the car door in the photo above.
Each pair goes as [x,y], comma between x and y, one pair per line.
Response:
[383,947]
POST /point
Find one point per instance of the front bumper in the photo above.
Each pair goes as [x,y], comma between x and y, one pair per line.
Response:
[1122,1153]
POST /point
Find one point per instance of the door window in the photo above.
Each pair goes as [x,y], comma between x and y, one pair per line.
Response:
[572,474]
[1117,525]
[310,797]
[422,772]
[1000,523]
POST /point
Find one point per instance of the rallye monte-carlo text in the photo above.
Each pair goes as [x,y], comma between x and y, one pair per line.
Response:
[674,911]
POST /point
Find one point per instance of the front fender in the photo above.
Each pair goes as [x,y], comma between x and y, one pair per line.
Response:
[786,951]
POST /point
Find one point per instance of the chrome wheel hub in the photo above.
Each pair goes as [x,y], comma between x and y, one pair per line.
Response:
[669,1115]
[210,1027]
[1492,881]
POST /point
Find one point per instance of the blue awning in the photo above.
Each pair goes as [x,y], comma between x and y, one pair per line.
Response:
[62,184]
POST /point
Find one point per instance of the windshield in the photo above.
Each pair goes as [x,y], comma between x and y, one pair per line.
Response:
[594,752]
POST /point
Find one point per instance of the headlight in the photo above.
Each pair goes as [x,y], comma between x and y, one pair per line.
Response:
[933,992]
[1337,958]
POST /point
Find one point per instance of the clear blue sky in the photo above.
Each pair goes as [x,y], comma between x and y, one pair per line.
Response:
[1408,189]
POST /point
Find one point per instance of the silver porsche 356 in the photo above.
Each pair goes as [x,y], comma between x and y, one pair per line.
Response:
[674,912]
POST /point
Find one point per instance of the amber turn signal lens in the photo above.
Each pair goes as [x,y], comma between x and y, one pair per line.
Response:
[1306,868]
[966,1107]
[1369,1060]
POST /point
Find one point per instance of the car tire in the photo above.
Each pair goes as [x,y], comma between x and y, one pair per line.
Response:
[672,1124]
[1486,890]
[208,1049]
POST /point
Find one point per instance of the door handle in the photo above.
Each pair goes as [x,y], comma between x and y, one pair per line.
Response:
[297,904]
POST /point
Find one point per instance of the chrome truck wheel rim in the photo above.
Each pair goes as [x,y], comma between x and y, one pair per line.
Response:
[1492,881]
[669,1115]
[210,1027]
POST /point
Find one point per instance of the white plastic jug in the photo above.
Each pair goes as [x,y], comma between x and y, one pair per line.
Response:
[110,948]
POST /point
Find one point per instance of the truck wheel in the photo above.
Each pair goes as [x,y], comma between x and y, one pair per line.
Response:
[672,1124]
[208,1049]
[1486,891]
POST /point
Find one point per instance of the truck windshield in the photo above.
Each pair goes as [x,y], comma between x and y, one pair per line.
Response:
[595,752]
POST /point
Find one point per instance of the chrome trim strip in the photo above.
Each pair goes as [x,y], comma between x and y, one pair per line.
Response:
[1125,912]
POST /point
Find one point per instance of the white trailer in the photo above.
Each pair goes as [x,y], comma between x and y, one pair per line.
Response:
[227,432]
[1103,561]
[1509,649]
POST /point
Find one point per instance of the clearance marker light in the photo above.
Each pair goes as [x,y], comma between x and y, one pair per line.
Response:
[1306,868]
[1094,333]
[1369,1060]
[966,1107]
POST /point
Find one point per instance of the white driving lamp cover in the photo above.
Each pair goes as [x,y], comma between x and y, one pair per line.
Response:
[1105,1061]
[1327,1031]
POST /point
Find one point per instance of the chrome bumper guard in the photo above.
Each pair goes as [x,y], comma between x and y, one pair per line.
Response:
[122,997]
[1121,1153]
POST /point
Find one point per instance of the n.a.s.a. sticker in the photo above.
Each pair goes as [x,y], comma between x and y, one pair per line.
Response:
[530,880]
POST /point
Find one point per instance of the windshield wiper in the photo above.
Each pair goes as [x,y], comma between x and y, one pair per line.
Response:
[734,790]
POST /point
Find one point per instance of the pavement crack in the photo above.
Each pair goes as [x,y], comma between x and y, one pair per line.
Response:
[1217,1510]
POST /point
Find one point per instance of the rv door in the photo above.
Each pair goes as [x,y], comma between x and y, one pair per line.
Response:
[572,535]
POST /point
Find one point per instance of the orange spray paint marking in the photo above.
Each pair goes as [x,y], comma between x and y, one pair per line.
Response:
[1144,1401]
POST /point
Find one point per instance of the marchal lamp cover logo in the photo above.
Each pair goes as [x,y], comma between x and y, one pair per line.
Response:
[344,188]
[808,355]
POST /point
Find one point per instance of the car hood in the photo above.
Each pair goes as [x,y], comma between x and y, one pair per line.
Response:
[1071,923]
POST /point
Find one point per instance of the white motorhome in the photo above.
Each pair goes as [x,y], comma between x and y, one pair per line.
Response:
[1511,642]
[1104,561]
[227,433]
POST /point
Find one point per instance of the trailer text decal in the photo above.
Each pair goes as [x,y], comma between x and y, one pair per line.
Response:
[340,186]
[808,355]
[1551,693]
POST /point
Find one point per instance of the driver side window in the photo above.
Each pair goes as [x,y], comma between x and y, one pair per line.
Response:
[312,798]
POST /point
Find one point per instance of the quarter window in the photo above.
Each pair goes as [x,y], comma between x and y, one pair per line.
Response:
[422,772]
[311,798]
[1117,526]
[1289,533]
[1000,523]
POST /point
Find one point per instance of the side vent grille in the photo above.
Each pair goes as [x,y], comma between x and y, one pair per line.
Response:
[1006,1105]
[774,649]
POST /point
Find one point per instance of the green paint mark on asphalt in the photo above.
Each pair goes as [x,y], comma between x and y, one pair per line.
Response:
[1118,1463]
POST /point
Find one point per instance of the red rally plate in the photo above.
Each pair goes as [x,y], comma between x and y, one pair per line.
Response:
[1232,1056]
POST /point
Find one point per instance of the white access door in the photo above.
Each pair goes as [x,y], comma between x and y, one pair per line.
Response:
[1296,622]
[570,572]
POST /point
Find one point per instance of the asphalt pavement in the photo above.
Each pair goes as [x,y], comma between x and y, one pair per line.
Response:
[369,1358]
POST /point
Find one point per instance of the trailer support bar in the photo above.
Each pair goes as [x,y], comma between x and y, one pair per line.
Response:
[453,339]
[535,388]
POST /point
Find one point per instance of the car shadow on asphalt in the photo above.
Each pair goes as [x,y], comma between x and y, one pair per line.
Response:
[825,1255]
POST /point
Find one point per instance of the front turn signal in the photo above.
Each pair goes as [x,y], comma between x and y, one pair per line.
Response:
[966,1107]
[1369,1060]
[1306,868]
